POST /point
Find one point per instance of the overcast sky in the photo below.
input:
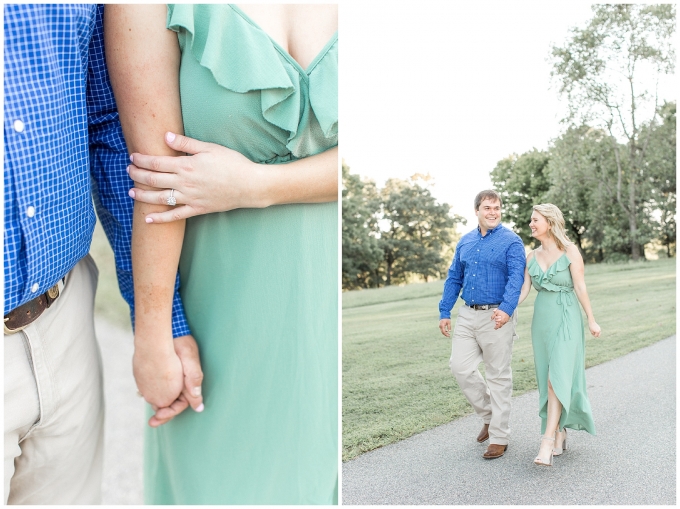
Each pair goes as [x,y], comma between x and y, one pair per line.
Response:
[449,89]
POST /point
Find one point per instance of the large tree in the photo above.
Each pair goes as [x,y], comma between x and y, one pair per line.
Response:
[361,254]
[660,173]
[522,182]
[582,165]
[417,230]
[609,71]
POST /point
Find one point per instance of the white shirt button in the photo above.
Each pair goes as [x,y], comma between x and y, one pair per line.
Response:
[30,211]
[19,126]
[473,287]
[35,287]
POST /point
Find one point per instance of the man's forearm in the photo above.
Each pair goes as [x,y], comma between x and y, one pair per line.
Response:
[513,288]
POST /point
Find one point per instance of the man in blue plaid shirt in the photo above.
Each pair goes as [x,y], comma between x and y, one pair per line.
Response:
[62,139]
[489,267]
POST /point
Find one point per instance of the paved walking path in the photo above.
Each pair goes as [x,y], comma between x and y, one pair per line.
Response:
[124,423]
[630,461]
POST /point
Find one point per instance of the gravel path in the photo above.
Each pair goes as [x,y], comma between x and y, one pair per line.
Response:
[630,461]
[124,425]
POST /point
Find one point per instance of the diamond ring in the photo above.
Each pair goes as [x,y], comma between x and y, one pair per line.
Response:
[170,200]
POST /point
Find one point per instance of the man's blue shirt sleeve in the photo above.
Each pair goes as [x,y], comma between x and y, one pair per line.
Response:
[108,160]
[516,260]
[452,286]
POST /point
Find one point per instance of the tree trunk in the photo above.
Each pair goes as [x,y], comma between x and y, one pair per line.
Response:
[578,244]
[389,262]
[632,219]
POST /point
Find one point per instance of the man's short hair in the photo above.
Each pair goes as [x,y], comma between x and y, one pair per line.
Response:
[488,194]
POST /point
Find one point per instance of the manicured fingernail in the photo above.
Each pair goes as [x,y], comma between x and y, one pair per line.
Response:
[196,391]
[170,137]
[200,408]
[131,160]
[131,193]
[149,220]
[127,169]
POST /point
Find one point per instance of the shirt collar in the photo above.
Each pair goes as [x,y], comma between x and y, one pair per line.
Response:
[489,231]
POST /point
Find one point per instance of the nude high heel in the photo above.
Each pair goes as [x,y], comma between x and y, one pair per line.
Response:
[540,461]
[559,450]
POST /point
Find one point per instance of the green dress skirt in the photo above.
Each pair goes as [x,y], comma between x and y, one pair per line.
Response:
[559,345]
[259,286]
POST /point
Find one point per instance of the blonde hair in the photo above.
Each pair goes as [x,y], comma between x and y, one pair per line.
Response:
[556,222]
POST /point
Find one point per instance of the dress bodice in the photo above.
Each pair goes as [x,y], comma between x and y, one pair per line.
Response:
[557,278]
[254,97]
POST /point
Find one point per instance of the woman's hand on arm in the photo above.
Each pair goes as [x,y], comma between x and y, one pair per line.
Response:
[143,61]
[216,179]
[577,270]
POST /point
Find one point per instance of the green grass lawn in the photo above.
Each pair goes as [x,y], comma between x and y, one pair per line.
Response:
[396,380]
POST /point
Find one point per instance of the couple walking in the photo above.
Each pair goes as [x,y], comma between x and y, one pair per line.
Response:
[495,275]
[249,216]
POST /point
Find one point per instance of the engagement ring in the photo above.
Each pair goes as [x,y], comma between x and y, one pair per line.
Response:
[171,199]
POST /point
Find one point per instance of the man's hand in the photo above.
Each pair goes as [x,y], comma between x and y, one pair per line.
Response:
[445,326]
[187,351]
[500,317]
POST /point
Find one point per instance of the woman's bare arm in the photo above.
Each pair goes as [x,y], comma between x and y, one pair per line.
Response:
[577,270]
[526,286]
[143,61]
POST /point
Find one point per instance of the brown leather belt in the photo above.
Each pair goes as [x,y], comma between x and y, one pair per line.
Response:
[23,316]
[482,306]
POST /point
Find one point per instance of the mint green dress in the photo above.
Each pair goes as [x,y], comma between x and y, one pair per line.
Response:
[559,343]
[259,286]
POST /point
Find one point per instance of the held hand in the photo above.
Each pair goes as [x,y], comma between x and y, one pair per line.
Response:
[158,374]
[594,328]
[187,350]
[500,317]
[445,327]
[212,179]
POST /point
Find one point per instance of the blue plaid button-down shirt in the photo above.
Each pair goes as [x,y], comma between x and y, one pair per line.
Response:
[62,140]
[489,269]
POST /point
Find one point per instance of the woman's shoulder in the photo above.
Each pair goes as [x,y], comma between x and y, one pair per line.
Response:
[573,254]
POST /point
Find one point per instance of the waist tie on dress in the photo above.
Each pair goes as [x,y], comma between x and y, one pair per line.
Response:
[565,298]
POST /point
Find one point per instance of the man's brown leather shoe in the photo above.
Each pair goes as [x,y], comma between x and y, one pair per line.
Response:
[484,434]
[494,451]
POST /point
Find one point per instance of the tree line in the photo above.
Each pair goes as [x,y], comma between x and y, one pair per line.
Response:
[394,234]
[612,172]
[580,174]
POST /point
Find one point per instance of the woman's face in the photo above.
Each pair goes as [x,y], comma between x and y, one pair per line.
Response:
[539,225]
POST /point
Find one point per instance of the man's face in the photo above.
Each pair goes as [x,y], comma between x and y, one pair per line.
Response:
[489,214]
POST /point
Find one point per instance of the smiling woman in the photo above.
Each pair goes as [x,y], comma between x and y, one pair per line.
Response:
[557,331]
[258,92]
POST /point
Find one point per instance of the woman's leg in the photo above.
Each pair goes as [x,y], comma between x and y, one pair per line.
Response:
[554,413]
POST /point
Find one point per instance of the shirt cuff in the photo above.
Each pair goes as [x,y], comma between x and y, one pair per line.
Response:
[180,326]
[507,308]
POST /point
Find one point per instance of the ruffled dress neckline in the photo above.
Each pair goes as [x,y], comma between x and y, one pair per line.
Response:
[304,72]
[551,265]
[545,279]
[243,58]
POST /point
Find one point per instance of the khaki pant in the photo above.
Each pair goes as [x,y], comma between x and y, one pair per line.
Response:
[475,341]
[54,405]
